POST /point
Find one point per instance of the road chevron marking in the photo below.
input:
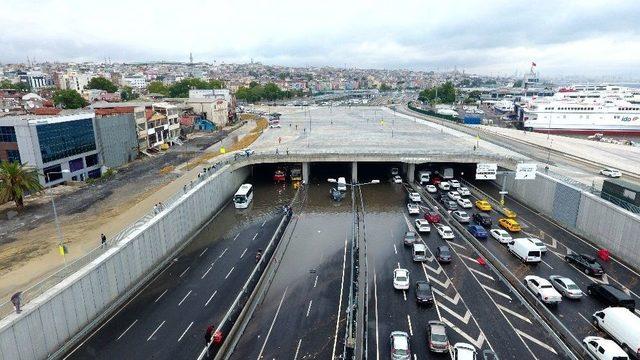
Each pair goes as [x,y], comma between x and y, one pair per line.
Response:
[465,319]
[496,291]
[435,271]
[455,299]
[444,285]
[456,244]
[560,255]
[603,280]
[468,258]
[478,343]
[518,315]
[482,274]
[532,339]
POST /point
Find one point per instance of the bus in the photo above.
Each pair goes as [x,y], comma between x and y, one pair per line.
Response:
[243,196]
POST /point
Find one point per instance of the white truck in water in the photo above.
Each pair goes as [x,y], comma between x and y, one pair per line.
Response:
[447,173]
[424,177]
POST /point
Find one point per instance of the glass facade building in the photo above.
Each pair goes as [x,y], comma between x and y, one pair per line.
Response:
[64,139]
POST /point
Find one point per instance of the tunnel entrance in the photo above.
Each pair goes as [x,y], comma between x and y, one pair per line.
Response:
[382,171]
[276,173]
[321,171]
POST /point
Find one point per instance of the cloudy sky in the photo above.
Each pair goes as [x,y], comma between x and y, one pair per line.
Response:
[589,37]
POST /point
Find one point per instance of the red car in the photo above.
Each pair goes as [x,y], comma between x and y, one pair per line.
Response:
[432,217]
[436,180]
[279,176]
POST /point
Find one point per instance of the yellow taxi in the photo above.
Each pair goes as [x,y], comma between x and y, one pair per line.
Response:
[509,224]
[510,214]
[483,205]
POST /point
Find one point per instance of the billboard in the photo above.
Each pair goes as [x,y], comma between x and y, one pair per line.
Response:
[486,171]
[526,171]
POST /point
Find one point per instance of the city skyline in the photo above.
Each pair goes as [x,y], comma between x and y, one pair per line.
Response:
[501,38]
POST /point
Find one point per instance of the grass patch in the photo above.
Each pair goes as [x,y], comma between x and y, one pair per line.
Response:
[167,169]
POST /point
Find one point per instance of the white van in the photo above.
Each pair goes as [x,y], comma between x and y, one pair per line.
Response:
[424,177]
[524,250]
[342,184]
[622,325]
[419,252]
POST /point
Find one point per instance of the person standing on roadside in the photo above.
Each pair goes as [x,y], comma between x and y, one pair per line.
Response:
[103,241]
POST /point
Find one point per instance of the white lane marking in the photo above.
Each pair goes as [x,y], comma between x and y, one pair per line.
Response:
[185,331]
[410,327]
[225,250]
[229,273]
[587,320]
[309,308]
[637,311]
[264,222]
[465,319]
[185,270]
[211,297]
[203,251]
[266,338]
[206,272]
[161,295]
[398,265]
[375,298]
[477,342]
[445,284]
[456,244]
[415,357]
[468,258]
[404,294]
[297,349]
[532,339]
[254,236]
[453,300]
[184,298]
[234,239]
[544,262]
[344,264]
[315,282]
[435,271]
[496,291]
[130,326]
[395,250]
[156,330]
[482,274]
[241,255]
[518,315]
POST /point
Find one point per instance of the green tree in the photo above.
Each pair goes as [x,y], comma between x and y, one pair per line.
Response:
[517,84]
[101,83]
[127,94]
[16,181]
[69,99]
[384,87]
[444,93]
[181,88]
[7,84]
[157,87]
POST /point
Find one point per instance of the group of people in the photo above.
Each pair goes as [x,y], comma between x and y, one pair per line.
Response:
[157,208]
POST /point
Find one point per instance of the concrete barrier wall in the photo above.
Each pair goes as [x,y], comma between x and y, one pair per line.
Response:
[51,320]
[599,221]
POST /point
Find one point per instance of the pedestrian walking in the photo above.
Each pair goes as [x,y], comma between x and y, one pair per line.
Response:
[296,127]
[279,139]
[103,241]
[15,300]
[276,151]
[287,151]
[184,188]
[155,209]
[160,206]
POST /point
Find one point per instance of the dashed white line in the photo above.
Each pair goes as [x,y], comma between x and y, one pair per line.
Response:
[234,239]
[264,222]
[221,255]
[185,331]
[161,295]
[297,349]
[185,270]
[266,338]
[211,297]
[315,282]
[184,298]
[241,255]
[309,308]
[130,326]
[375,298]
[404,295]
[395,250]
[229,273]
[203,251]
[206,272]
[156,330]
[344,265]
[410,327]
[254,236]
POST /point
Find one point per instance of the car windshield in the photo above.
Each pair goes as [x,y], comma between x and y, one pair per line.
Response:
[438,337]
[444,252]
[447,232]
[423,287]
[572,287]
[401,278]
[401,352]
[410,235]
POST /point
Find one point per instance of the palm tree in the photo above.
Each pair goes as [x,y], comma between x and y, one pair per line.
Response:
[15,181]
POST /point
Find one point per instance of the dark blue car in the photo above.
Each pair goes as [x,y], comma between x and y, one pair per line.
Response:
[478,231]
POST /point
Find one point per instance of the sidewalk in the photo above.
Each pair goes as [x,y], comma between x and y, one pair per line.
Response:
[82,231]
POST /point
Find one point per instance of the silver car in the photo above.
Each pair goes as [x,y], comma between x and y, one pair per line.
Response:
[461,216]
[400,346]
[565,286]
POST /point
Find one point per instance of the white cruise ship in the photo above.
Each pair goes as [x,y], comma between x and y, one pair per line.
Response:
[589,114]
[505,105]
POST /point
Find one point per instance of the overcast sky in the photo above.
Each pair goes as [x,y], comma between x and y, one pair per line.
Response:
[589,37]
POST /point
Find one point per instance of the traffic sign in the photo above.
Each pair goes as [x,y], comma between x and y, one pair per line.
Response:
[486,171]
[526,171]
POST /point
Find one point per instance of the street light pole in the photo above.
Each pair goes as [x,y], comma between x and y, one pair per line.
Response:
[55,215]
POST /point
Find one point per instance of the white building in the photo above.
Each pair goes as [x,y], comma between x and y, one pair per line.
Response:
[73,80]
[210,94]
[36,80]
[136,82]
[173,120]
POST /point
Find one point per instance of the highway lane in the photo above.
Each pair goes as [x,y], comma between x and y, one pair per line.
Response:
[302,314]
[469,298]
[575,315]
[168,317]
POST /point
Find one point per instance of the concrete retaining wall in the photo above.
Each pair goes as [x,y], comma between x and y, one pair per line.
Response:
[65,311]
[599,221]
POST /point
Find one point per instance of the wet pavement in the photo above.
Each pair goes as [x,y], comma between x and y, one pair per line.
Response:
[167,319]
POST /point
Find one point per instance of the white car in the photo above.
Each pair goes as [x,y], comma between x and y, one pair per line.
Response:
[610,172]
[604,349]
[444,231]
[453,195]
[454,183]
[413,209]
[566,286]
[541,246]
[543,289]
[431,189]
[415,197]
[464,203]
[461,216]
[397,179]
[275,125]
[401,279]
[422,226]
[464,351]
[444,186]
[464,191]
[502,236]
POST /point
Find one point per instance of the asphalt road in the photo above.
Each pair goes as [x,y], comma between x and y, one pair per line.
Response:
[167,319]
[302,314]
[475,305]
